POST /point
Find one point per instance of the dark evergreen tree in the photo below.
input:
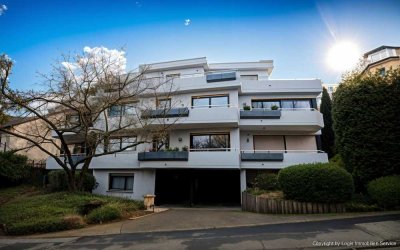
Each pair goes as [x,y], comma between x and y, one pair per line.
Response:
[328,136]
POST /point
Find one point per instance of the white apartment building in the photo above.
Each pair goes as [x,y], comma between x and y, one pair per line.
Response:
[234,122]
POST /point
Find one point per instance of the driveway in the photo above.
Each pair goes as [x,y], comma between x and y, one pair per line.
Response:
[352,233]
[177,219]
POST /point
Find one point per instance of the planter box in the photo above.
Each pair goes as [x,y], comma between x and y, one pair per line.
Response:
[261,156]
[162,113]
[260,114]
[164,156]
[257,204]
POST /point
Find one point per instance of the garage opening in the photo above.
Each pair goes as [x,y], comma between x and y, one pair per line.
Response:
[191,187]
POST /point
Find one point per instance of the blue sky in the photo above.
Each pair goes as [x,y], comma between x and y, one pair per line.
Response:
[295,34]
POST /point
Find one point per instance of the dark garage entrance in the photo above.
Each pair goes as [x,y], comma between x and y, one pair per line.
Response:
[197,187]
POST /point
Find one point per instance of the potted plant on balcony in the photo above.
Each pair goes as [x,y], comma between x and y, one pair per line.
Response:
[274,107]
[246,107]
[185,148]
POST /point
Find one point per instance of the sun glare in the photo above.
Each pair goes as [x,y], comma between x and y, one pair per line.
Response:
[343,56]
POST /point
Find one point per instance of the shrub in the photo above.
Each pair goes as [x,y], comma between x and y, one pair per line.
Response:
[13,168]
[266,181]
[59,182]
[337,160]
[354,206]
[40,225]
[385,191]
[104,213]
[366,124]
[319,182]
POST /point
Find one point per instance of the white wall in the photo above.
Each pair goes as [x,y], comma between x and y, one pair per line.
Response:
[144,183]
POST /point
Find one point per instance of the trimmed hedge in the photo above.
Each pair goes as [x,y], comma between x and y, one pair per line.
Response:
[266,181]
[104,213]
[59,182]
[319,182]
[385,191]
[366,123]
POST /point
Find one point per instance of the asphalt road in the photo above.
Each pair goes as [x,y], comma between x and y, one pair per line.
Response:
[341,233]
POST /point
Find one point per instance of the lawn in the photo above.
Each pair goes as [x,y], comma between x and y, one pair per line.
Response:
[49,212]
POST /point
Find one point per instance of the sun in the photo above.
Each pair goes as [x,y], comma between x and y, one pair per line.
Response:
[343,56]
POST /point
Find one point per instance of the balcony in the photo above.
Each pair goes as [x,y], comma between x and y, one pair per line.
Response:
[199,159]
[164,156]
[306,86]
[202,117]
[278,159]
[307,119]
[121,160]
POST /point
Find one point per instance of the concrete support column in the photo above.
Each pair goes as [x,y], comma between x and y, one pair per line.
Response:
[243,184]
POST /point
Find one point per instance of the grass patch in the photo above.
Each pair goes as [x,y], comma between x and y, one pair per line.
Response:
[61,211]
[7,194]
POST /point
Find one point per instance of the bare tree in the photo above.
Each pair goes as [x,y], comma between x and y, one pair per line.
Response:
[89,99]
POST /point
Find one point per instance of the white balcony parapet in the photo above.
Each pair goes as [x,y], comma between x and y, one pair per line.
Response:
[290,157]
[296,119]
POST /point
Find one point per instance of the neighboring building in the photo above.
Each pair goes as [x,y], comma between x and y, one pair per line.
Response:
[382,59]
[331,88]
[23,125]
[234,123]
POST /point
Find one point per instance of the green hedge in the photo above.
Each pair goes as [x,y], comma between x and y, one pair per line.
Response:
[319,182]
[385,191]
[366,123]
[104,213]
[266,181]
[13,168]
[59,182]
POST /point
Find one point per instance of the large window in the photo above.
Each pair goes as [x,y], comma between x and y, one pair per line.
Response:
[116,144]
[120,110]
[212,142]
[210,101]
[284,104]
[261,104]
[122,182]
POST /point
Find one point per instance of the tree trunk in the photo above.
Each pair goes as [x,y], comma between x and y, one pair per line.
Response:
[71,181]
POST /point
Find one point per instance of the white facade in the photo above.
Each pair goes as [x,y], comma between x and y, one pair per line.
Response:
[262,138]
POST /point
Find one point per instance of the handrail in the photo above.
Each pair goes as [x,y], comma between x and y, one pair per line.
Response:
[283,109]
[282,151]
[214,106]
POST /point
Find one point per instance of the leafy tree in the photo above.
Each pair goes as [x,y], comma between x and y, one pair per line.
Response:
[328,136]
[92,97]
[366,123]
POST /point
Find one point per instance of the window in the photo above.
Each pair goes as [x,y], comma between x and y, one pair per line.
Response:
[121,182]
[164,103]
[119,110]
[210,101]
[260,104]
[212,142]
[382,71]
[115,144]
[249,77]
[295,104]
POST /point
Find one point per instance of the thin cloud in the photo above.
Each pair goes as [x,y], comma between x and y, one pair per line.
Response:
[188,22]
[3,9]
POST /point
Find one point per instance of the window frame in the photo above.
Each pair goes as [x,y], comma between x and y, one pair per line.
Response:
[161,100]
[209,141]
[107,145]
[282,100]
[209,97]
[126,176]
